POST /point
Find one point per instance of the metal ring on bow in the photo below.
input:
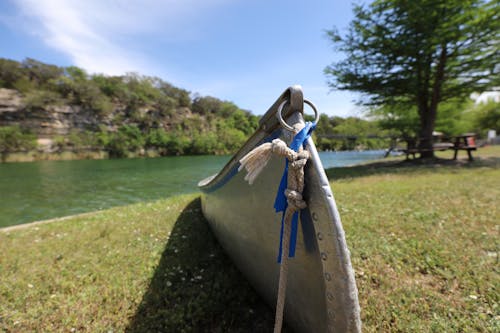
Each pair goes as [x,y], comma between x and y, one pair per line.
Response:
[283,122]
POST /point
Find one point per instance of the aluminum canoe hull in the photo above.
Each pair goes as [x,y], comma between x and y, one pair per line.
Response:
[321,293]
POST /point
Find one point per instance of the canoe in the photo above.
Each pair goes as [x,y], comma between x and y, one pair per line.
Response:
[321,294]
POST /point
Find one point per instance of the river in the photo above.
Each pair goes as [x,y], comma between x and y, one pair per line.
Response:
[48,189]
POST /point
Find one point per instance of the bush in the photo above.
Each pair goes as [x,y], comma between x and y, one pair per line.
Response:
[23,85]
[59,142]
[205,144]
[230,138]
[178,144]
[38,99]
[82,139]
[103,137]
[157,137]
[13,138]
[128,138]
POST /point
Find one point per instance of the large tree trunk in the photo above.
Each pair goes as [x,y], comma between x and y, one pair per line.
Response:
[427,122]
[429,112]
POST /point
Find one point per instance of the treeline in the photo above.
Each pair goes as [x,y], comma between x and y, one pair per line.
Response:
[385,123]
[132,113]
[351,133]
[454,117]
[128,113]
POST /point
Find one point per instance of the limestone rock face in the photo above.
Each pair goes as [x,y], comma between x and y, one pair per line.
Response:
[49,121]
[10,101]
[45,122]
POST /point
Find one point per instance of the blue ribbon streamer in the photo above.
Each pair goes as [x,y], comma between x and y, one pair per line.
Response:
[280,204]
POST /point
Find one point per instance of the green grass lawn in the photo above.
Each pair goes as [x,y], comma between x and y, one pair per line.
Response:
[424,240]
[425,243]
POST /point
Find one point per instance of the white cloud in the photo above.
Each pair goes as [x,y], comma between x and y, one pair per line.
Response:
[97,34]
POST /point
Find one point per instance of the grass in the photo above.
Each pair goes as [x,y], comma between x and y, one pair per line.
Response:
[423,240]
[424,243]
[150,267]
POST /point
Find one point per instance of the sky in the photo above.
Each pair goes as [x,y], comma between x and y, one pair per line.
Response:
[247,52]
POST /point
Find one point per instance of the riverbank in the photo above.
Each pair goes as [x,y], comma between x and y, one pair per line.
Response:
[93,154]
[33,224]
[72,155]
[423,240]
[35,155]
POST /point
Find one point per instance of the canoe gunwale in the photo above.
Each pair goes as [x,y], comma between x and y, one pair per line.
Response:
[268,124]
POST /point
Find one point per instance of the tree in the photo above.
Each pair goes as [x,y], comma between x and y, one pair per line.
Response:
[10,72]
[487,117]
[205,105]
[418,53]
[40,72]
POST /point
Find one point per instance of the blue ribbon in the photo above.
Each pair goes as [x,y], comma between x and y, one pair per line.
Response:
[280,204]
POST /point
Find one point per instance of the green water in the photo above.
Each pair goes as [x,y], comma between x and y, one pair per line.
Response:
[47,189]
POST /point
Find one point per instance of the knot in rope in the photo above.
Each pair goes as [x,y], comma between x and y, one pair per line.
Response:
[296,159]
[279,147]
[294,200]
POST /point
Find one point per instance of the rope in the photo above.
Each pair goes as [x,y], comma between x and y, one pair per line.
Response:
[295,202]
[254,162]
[280,302]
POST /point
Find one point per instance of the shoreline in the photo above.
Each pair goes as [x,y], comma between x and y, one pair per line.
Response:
[34,223]
[36,156]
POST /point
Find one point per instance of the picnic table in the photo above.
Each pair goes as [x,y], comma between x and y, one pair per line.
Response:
[465,142]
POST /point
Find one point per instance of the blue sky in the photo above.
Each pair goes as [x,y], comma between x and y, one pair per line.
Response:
[246,52]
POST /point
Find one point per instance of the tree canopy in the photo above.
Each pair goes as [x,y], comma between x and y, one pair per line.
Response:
[403,54]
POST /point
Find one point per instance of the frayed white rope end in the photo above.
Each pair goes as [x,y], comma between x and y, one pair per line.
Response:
[255,161]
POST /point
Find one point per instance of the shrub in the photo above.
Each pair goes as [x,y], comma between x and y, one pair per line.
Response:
[38,99]
[13,138]
[127,138]
[157,137]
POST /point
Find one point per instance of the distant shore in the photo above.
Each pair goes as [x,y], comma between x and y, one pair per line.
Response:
[33,155]
[68,155]
[92,154]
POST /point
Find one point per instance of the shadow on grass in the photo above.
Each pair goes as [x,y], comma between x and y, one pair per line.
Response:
[196,288]
[409,166]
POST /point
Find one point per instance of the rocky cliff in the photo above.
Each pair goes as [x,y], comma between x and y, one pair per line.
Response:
[56,120]
[67,109]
